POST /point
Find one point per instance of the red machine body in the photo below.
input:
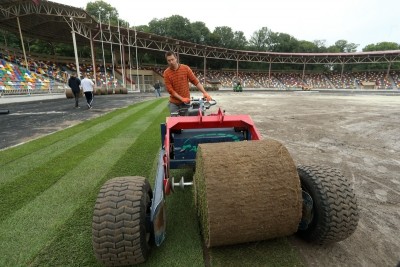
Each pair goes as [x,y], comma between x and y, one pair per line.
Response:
[218,120]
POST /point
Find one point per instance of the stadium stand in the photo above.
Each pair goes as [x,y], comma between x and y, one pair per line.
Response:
[396,78]
[44,75]
[16,78]
[333,80]
[54,68]
[341,81]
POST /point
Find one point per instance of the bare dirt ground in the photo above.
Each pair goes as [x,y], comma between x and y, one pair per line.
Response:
[357,134]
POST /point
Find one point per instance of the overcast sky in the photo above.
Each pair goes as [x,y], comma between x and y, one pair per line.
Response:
[361,22]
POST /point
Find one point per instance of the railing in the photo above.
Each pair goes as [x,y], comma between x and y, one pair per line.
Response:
[146,88]
[19,88]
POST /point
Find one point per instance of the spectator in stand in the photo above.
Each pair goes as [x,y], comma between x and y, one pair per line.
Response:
[176,79]
[87,86]
[74,83]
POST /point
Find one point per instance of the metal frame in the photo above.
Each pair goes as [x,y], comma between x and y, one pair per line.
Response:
[162,185]
[52,21]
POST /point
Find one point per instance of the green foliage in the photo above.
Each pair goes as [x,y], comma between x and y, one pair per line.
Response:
[103,10]
[200,33]
[261,39]
[175,26]
[345,46]
[224,36]
[142,28]
[239,40]
[10,40]
[282,42]
[306,47]
[383,46]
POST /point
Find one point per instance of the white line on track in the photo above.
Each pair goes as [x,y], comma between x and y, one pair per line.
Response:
[38,113]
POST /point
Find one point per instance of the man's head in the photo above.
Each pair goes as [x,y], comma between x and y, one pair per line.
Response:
[73,74]
[171,60]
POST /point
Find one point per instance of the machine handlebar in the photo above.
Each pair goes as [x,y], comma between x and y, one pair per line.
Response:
[192,108]
[201,102]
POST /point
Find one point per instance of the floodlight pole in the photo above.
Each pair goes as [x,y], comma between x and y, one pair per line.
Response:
[112,52]
[122,58]
[269,75]
[75,49]
[130,61]
[93,59]
[102,48]
[137,63]
[23,49]
[237,69]
[204,69]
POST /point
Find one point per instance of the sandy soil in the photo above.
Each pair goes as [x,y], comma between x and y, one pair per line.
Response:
[357,134]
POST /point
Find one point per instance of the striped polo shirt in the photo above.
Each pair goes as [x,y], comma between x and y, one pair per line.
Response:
[178,81]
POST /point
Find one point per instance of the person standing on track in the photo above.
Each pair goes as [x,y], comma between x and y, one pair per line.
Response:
[87,86]
[74,83]
[176,78]
[157,88]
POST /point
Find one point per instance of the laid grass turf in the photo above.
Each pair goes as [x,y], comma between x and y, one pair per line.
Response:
[48,188]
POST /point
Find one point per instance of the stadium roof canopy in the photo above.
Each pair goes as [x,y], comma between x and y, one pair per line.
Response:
[47,20]
[54,22]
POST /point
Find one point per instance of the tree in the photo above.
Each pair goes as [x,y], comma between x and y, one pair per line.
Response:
[10,40]
[261,39]
[225,36]
[320,44]
[142,28]
[305,47]
[383,46]
[158,26]
[239,40]
[200,33]
[346,47]
[333,49]
[103,9]
[176,27]
[282,42]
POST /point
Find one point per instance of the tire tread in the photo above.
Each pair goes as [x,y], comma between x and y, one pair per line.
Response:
[118,225]
[337,208]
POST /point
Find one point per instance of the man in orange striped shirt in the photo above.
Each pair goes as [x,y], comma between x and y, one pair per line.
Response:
[176,79]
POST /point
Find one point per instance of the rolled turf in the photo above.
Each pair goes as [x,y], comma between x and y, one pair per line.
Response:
[246,191]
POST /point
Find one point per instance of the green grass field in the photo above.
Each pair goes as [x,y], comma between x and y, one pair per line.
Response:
[48,188]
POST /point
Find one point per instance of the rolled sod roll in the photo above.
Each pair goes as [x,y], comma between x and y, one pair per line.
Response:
[246,191]
[69,94]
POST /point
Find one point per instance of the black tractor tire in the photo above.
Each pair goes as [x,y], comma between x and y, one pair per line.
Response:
[120,228]
[334,213]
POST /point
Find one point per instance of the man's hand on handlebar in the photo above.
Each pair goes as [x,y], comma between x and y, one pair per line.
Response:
[185,100]
[207,97]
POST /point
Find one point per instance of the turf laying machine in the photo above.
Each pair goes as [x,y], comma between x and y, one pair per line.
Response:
[245,189]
